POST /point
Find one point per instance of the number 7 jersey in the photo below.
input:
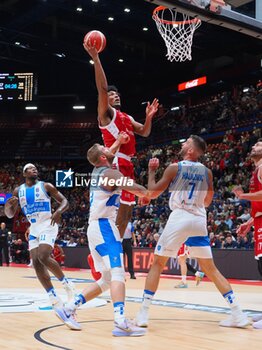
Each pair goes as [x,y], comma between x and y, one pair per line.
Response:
[189,188]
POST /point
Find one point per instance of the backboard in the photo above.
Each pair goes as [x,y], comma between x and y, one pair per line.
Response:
[218,12]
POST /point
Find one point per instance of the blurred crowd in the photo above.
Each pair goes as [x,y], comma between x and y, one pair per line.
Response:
[228,159]
[239,107]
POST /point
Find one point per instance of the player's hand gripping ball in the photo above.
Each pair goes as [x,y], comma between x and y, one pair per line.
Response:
[96,39]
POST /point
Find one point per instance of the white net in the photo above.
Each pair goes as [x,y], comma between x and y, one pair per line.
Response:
[177,30]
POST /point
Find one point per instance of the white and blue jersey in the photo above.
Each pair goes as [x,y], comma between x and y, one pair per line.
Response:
[103,204]
[36,206]
[189,188]
[103,235]
[187,221]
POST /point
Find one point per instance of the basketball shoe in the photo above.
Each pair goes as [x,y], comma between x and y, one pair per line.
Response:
[96,275]
[257,317]
[258,324]
[68,318]
[181,285]
[142,317]
[127,329]
[236,320]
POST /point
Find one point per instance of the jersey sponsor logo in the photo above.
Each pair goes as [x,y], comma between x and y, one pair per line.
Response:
[64,178]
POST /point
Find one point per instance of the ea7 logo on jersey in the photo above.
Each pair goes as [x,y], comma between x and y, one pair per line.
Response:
[64,178]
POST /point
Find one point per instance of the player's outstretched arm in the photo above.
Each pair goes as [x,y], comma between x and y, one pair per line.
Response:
[250,196]
[105,111]
[122,138]
[113,180]
[60,198]
[156,188]
[210,191]
[145,129]
[11,204]
[244,228]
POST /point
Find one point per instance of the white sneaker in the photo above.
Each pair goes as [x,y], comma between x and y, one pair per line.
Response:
[70,291]
[68,318]
[237,321]
[181,285]
[257,325]
[142,318]
[257,317]
[127,329]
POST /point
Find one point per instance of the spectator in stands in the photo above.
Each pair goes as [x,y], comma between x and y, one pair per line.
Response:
[229,243]
[222,226]
[245,216]
[4,244]
[20,253]
[82,242]
[71,242]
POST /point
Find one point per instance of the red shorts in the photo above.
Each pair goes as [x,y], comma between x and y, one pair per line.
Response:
[258,237]
[126,167]
[183,250]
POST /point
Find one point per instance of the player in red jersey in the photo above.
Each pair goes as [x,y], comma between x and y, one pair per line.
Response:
[112,121]
[182,256]
[255,197]
[58,254]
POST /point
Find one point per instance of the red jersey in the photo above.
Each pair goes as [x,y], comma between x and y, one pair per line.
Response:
[255,186]
[120,122]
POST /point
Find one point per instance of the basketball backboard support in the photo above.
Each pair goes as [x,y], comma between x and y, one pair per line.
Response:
[218,13]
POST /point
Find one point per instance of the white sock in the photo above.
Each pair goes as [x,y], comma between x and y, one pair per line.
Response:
[52,295]
[77,302]
[147,298]
[64,281]
[232,302]
[119,312]
[184,279]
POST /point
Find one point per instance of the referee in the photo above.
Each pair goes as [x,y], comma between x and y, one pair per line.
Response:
[127,248]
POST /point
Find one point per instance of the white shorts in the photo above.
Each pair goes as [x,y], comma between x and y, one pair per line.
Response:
[184,227]
[105,244]
[42,235]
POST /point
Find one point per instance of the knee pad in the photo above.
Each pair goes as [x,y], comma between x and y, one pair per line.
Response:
[104,281]
[118,274]
[259,265]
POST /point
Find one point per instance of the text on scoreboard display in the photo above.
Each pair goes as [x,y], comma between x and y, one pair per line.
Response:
[16,86]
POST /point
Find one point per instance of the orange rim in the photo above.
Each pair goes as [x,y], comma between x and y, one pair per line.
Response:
[162,8]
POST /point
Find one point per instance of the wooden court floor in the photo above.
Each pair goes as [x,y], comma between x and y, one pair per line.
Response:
[180,319]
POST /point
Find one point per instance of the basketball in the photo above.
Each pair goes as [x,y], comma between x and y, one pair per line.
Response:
[95,38]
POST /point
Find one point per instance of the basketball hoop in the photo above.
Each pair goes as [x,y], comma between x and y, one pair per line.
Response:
[177,30]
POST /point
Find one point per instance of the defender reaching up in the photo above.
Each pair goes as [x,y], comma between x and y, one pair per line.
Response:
[191,187]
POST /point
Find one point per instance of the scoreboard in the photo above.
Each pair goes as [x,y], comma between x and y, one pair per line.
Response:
[16,86]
